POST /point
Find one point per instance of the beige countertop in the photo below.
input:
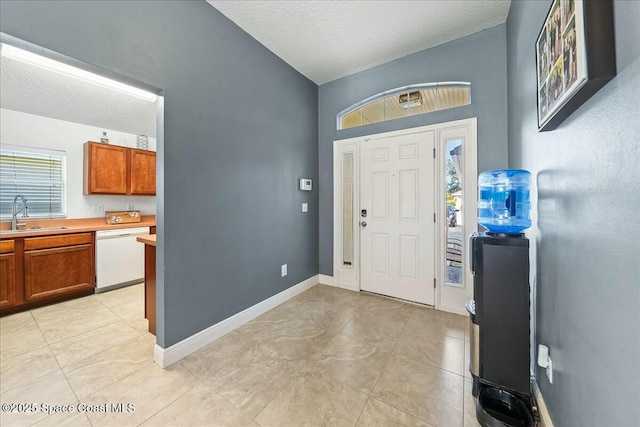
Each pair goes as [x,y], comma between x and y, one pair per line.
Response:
[73,226]
[149,239]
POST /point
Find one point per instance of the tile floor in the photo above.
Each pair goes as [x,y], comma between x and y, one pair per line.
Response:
[327,357]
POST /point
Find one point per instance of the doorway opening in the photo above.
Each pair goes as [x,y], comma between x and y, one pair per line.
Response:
[53,103]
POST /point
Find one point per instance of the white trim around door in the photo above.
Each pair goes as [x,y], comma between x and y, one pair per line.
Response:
[346,228]
[453,297]
[346,208]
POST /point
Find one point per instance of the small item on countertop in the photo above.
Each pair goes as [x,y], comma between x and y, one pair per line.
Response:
[122,217]
[142,142]
[104,138]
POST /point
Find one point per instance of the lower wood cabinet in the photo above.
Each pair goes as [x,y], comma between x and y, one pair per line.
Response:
[57,271]
[48,269]
[7,274]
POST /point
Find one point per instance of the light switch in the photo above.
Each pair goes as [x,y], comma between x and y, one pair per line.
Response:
[305,207]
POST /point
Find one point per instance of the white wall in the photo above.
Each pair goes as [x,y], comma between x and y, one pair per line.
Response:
[30,130]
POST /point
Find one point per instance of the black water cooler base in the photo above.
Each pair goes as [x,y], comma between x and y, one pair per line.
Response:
[496,407]
[500,325]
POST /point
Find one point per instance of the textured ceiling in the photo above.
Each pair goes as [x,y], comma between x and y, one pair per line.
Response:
[326,40]
[34,90]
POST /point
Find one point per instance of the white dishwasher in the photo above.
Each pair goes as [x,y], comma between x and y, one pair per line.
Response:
[119,258]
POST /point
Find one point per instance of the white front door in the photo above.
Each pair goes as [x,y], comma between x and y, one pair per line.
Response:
[397,191]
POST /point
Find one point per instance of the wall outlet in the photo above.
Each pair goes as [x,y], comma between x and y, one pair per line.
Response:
[130,207]
[549,371]
[305,207]
[283,270]
[97,208]
[544,361]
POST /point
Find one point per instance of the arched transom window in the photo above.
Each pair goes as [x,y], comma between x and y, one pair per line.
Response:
[405,101]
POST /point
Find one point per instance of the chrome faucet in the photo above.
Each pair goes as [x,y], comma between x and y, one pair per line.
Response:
[15,211]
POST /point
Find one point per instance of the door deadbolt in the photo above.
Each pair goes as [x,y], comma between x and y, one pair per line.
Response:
[363,213]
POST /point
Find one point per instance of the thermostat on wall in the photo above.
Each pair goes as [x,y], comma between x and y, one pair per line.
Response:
[305,184]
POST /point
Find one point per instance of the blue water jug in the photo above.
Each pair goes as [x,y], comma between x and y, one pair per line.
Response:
[503,201]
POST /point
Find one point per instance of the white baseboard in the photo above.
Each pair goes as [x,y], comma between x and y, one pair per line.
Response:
[326,280]
[454,310]
[331,281]
[165,357]
[545,418]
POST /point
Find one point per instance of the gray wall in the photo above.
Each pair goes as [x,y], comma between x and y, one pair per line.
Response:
[585,242]
[479,58]
[240,130]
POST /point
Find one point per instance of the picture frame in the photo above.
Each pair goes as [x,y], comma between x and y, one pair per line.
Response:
[575,57]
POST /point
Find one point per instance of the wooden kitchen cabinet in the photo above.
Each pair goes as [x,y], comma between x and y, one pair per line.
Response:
[150,286]
[58,265]
[106,169]
[149,279]
[7,274]
[143,172]
[47,269]
[112,169]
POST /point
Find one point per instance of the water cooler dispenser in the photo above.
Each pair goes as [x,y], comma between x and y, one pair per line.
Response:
[500,307]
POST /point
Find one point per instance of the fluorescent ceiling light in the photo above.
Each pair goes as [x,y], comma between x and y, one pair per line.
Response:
[27,57]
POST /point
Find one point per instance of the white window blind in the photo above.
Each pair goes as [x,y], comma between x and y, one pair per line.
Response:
[39,176]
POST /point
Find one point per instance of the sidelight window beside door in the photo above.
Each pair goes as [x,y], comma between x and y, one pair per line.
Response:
[453,212]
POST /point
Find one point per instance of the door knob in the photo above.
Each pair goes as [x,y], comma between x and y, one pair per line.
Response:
[363,223]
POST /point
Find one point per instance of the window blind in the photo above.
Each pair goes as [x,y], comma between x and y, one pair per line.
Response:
[40,177]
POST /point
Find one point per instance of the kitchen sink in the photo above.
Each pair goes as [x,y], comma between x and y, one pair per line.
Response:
[46,228]
[38,229]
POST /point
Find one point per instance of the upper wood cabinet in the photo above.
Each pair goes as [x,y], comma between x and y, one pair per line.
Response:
[143,172]
[105,168]
[112,169]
